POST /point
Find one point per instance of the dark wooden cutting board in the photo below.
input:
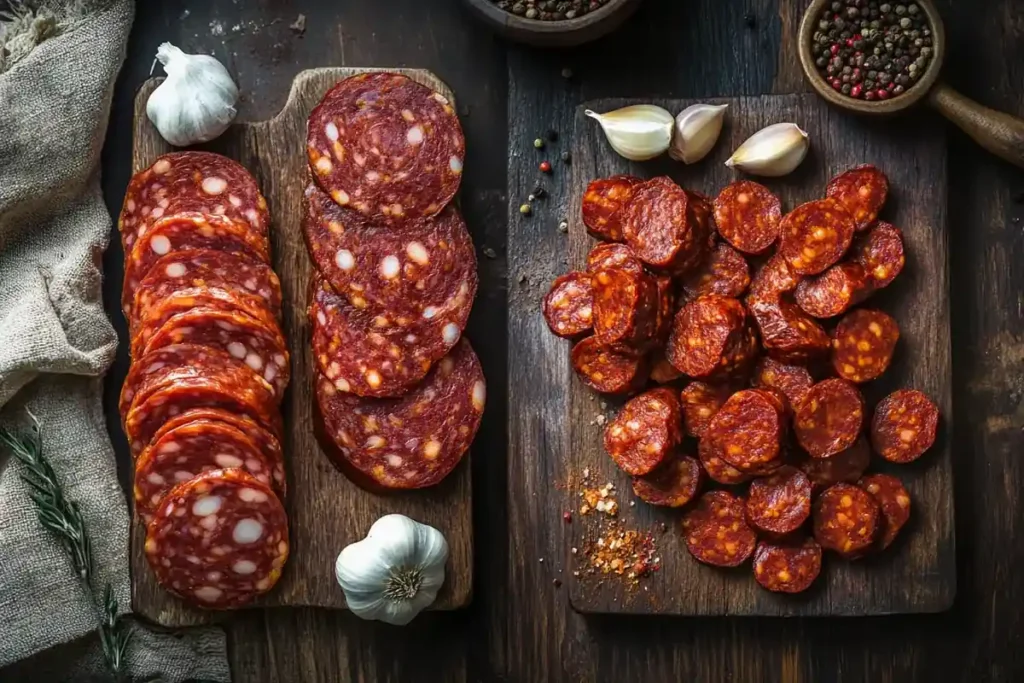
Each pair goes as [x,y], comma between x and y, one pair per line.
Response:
[918,573]
[326,511]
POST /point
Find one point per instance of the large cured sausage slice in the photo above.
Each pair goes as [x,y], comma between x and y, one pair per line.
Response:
[609,369]
[846,520]
[666,226]
[904,425]
[674,484]
[569,305]
[861,191]
[712,336]
[716,530]
[191,182]
[747,431]
[787,566]
[181,232]
[830,418]
[626,306]
[780,503]
[863,344]
[608,255]
[787,333]
[880,251]
[794,381]
[218,540]
[700,402]
[412,270]
[724,272]
[894,502]
[645,432]
[603,203]
[815,235]
[747,216]
[834,291]
[386,146]
[410,442]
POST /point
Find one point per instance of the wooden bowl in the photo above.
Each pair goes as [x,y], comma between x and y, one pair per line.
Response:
[911,96]
[563,33]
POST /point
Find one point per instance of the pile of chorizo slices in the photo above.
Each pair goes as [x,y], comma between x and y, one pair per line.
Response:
[210,364]
[736,326]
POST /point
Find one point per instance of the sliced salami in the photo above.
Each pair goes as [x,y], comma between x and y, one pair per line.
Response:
[716,530]
[602,205]
[613,370]
[830,418]
[880,252]
[863,344]
[626,307]
[218,540]
[645,432]
[610,255]
[904,426]
[774,278]
[787,566]
[894,502]
[861,191]
[414,441]
[700,402]
[846,520]
[386,146]
[191,182]
[793,381]
[663,227]
[716,468]
[712,336]
[833,292]
[569,305]
[367,353]
[787,333]
[419,267]
[182,453]
[182,232]
[815,236]
[666,310]
[724,272]
[261,347]
[747,431]
[779,504]
[846,466]
[748,216]
[674,484]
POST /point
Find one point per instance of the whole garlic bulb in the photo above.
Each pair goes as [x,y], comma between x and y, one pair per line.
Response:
[196,102]
[395,572]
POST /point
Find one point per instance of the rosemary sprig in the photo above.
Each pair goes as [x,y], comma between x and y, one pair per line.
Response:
[64,520]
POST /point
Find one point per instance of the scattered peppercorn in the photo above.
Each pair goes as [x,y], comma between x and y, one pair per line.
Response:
[525,209]
[566,72]
[539,192]
[563,226]
[566,157]
[545,166]
[567,517]
[539,143]
[750,20]
[552,135]
[557,583]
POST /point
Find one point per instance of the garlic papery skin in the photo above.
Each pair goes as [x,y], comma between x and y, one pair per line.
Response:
[773,151]
[639,132]
[697,130]
[395,572]
[196,102]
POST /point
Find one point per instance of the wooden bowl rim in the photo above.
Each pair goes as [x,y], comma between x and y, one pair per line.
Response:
[507,20]
[913,95]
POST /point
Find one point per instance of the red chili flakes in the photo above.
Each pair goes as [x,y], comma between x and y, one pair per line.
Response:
[624,552]
[600,499]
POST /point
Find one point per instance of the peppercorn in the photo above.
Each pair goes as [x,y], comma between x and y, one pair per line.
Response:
[545,166]
[525,209]
[538,143]
[750,20]
[566,157]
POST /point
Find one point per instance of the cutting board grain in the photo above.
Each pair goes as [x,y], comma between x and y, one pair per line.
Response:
[918,573]
[326,511]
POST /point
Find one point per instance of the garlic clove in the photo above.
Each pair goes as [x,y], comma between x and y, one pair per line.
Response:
[196,102]
[773,151]
[696,131]
[638,132]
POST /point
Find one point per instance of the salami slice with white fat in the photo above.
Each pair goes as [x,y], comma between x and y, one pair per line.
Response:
[218,540]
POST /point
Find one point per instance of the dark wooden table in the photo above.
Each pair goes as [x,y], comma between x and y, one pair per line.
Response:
[520,627]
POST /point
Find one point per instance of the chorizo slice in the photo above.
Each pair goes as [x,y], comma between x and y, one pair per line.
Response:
[748,216]
[218,540]
[569,305]
[894,502]
[830,418]
[602,205]
[773,278]
[716,530]
[846,466]
[724,272]
[615,370]
[663,226]
[846,520]
[815,236]
[863,344]
[674,484]
[716,468]
[861,191]
[904,425]
[787,333]
[780,503]
[625,307]
[386,146]
[662,372]
[748,429]
[833,292]
[712,336]
[613,255]
[666,291]
[700,402]
[787,566]
[645,432]
[793,381]
[880,252]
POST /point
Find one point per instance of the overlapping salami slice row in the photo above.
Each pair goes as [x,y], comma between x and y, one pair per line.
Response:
[794,381]
[787,566]
[626,306]
[861,191]
[191,182]
[615,370]
[894,502]
[747,216]
[386,146]
[815,236]
[787,333]
[646,431]
[413,441]
[603,203]
[569,305]
[667,227]
[417,266]
[712,336]
[700,402]
[904,425]
[218,540]
[716,530]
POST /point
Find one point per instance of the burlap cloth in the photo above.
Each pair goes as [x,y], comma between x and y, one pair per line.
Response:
[58,63]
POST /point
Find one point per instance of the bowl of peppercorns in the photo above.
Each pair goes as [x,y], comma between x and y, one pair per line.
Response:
[552,23]
[873,56]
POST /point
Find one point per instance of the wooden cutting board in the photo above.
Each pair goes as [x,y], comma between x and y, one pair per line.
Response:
[917,574]
[326,511]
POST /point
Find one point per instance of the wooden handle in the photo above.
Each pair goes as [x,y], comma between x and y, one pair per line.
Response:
[999,133]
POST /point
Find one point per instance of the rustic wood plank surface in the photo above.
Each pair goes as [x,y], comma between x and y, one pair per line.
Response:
[916,575]
[326,511]
[520,627]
